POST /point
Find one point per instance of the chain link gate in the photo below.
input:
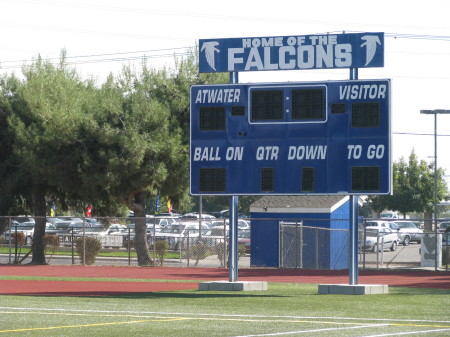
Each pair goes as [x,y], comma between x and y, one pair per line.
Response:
[291,244]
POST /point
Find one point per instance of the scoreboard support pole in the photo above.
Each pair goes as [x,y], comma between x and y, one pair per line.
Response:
[353,268]
[234,205]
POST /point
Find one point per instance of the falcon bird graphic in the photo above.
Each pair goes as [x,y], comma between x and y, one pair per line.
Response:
[370,43]
[210,52]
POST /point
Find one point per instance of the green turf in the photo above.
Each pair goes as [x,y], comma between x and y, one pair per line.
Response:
[106,253]
[283,308]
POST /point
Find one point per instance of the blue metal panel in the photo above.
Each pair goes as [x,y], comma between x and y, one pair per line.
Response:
[331,247]
[328,51]
[232,133]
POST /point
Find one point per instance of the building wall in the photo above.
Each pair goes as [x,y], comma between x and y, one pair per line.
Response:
[322,249]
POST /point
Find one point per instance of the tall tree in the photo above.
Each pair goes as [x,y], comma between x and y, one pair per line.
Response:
[413,187]
[43,122]
[132,153]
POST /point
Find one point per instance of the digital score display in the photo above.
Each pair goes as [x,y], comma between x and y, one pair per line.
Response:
[291,139]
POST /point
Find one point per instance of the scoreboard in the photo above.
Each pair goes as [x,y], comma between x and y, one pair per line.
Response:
[291,138]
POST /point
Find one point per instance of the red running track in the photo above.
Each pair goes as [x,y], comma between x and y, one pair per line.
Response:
[422,279]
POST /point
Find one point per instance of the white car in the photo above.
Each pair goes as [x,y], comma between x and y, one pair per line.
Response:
[388,215]
[27,228]
[242,224]
[408,231]
[178,234]
[377,239]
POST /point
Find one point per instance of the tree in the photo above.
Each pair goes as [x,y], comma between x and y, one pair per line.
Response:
[413,187]
[14,183]
[44,116]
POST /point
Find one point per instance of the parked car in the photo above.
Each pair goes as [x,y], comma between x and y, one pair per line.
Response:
[177,234]
[161,222]
[216,235]
[388,215]
[27,228]
[381,224]
[443,226]
[129,233]
[193,216]
[65,227]
[24,218]
[408,231]
[377,239]
[244,239]
[117,228]
[242,224]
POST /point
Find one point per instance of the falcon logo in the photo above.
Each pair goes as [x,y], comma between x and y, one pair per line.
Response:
[370,43]
[210,52]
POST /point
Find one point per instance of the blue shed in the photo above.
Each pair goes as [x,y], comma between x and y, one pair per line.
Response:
[318,235]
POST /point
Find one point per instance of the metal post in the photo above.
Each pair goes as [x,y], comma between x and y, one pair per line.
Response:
[233,262]
[316,234]
[301,244]
[353,268]
[435,112]
[128,245]
[84,241]
[73,248]
[233,246]
[435,195]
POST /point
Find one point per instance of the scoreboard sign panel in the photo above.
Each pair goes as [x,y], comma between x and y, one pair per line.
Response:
[327,51]
[291,138]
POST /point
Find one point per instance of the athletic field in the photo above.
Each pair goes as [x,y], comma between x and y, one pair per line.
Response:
[131,301]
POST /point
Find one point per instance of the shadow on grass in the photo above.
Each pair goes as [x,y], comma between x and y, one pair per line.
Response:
[194,294]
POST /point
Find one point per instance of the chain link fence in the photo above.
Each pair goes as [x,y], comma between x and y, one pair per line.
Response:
[286,243]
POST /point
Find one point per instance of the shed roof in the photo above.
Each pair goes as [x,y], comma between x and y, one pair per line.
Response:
[298,204]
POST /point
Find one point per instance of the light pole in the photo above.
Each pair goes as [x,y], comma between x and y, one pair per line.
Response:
[435,113]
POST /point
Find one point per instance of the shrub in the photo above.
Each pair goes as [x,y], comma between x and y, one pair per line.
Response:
[198,251]
[51,242]
[19,241]
[161,248]
[93,246]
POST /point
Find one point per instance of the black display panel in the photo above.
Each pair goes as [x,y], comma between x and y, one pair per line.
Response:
[212,118]
[267,179]
[308,104]
[366,115]
[267,105]
[308,174]
[366,178]
[212,180]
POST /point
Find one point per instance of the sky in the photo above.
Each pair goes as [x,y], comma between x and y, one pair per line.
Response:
[101,36]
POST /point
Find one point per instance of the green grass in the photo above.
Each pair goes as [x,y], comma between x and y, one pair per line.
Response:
[68,252]
[283,308]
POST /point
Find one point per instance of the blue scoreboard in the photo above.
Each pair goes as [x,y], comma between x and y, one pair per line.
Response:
[291,138]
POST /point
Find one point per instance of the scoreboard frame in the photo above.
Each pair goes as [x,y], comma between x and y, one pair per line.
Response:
[299,138]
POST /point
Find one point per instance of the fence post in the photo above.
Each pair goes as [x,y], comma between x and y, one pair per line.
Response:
[301,244]
[72,245]
[363,244]
[129,246]
[84,241]
[10,240]
[187,248]
[317,247]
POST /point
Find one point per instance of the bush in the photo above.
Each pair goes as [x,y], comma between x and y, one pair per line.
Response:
[51,242]
[93,246]
[19,241]
[199,252]
[161,248]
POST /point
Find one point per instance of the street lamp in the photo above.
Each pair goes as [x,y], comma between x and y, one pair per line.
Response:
[435,113]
